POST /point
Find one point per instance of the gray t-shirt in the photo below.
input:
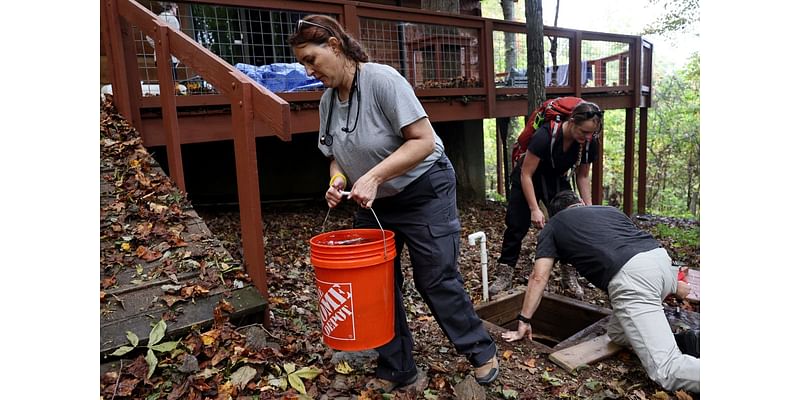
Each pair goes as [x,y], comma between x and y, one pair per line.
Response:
[387,104]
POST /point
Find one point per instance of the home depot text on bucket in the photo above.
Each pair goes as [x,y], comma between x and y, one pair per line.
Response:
[333,307]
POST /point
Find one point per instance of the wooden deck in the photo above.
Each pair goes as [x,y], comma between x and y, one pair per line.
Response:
[180,280]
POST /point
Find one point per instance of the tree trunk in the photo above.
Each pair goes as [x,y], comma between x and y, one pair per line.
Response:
[535,40]
[503,126]
[554,49]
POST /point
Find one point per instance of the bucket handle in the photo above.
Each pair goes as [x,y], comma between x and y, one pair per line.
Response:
[385,252]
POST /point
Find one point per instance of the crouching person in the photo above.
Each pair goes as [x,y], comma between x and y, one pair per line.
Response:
[613,254]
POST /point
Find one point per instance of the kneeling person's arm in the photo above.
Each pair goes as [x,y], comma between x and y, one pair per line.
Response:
[533,295]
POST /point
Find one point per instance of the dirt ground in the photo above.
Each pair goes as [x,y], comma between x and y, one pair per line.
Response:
[525,373]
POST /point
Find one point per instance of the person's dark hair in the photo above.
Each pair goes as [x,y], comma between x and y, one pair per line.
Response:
[322,29]
[561,201]
[586,111]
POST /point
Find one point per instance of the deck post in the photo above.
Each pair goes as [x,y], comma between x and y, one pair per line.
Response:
[642,185]
[244,144]
[627,195]
[169,111]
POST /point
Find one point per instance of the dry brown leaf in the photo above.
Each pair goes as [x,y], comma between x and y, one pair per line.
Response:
[170,299]
[660,395]
[681,395]
[210,336]
[108,281]
[531,362]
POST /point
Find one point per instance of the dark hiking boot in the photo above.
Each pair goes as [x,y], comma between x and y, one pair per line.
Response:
[569,281]
[689,342]
[503,276]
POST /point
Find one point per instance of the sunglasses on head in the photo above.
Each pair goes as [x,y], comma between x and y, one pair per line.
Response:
[302,22]
[592,114]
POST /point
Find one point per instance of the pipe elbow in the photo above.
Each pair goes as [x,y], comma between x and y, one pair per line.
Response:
[476,236]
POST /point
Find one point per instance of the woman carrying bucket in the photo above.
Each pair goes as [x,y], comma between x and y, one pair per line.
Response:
[378,136]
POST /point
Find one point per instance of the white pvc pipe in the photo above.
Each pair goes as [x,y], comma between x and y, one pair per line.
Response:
[484,261]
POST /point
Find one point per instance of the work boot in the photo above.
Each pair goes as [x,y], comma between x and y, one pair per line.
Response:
[569,281]
[688,342]
[503,275]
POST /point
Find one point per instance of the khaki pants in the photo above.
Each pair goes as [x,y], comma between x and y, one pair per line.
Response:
[638,320]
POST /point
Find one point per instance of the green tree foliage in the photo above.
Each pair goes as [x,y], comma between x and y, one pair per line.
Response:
[673,149]
[679,16]
[673,146]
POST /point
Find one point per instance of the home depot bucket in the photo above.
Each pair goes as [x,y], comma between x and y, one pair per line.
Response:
[355,287]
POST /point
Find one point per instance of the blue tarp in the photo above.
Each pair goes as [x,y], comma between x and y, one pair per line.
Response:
[280,77]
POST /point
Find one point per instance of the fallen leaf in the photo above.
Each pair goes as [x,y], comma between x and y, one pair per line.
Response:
[307,372]
[289,367]
[122,351]
[278,383]
[343,368]
[170,299]
[531,362]
[152,361]
[209,337]
[242,376]
[146,254]
[659,395]
[222,354]
[297,383]
[509,393]
[108,281]
[681,395]
[206,373]
[166,346]
[157,333]
[507,354]
[157,208]
[138,368]
[226,391]
[132,338]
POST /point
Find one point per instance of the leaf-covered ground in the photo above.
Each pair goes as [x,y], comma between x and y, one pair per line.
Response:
[289,358]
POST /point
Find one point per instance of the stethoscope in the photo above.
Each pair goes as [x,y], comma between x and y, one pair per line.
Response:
[327,139]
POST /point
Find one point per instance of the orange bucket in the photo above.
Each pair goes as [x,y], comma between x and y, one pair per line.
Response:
[354,271]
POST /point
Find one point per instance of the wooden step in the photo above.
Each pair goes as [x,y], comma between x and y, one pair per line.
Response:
[247,304]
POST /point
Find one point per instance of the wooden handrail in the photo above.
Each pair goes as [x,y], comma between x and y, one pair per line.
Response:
[271,109]
[248,101]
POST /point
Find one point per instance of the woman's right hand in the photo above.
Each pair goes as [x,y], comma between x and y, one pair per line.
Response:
[537,218]
[334,194]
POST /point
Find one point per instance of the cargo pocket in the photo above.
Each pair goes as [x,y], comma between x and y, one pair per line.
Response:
[443,229]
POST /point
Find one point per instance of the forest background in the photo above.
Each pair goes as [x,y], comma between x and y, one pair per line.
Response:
[673,148]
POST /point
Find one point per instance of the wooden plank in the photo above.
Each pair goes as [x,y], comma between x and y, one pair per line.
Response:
[590,332]
[502,309]
[585,353]
[246,301]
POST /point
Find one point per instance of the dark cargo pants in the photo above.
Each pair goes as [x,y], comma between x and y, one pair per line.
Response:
[424,217]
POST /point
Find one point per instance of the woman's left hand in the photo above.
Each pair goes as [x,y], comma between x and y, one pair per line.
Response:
[364,190]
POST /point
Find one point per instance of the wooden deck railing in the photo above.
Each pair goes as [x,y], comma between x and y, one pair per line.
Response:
[248,101]
[485,100]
